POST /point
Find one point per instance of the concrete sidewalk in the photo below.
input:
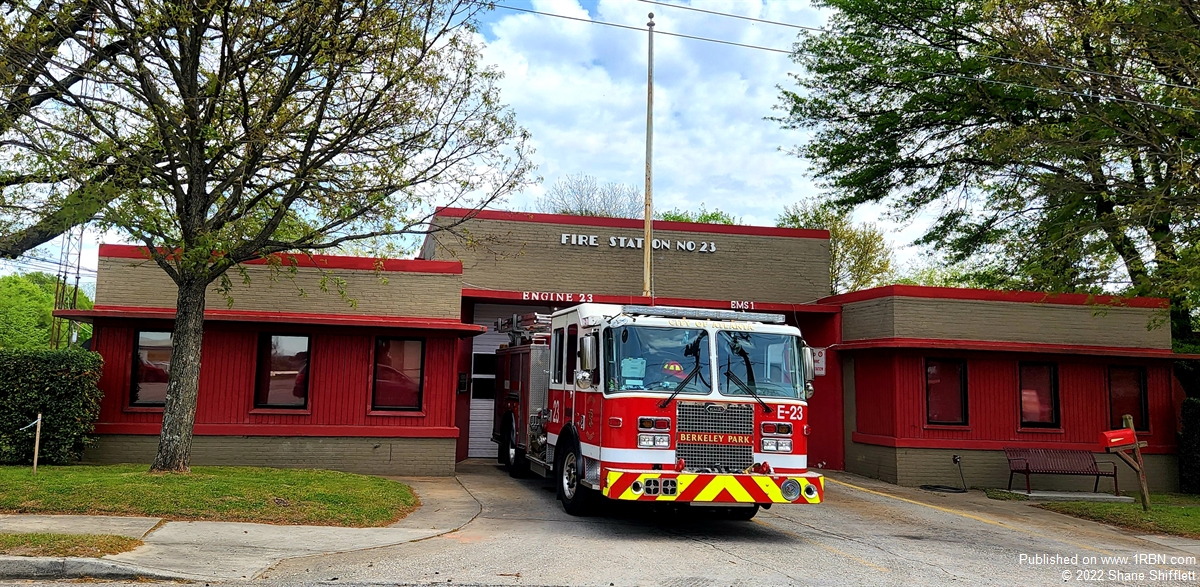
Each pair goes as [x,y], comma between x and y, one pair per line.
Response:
[229,550]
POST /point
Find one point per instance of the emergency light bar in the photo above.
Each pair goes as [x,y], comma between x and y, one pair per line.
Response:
[524,323]
[704,314]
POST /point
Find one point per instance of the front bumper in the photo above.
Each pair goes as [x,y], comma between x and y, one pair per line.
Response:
[708,488]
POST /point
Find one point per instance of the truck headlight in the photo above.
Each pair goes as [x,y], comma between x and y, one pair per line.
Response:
[770,445]
[654,441]
[785,445]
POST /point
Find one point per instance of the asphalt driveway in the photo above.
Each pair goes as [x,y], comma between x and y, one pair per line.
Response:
[866,533]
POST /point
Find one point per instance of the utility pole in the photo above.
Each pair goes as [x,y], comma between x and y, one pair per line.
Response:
[648,240]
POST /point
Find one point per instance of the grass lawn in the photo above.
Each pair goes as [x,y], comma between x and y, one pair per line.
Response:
[1002,495]
[90,545]
[230,494]
[1170,513]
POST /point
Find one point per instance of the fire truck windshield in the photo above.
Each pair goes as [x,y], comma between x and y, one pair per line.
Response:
[757,363]
[644,358]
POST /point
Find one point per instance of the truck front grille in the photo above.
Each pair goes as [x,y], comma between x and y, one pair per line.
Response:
[715,418]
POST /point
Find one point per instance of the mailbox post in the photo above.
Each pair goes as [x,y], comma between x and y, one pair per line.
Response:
[1125,439]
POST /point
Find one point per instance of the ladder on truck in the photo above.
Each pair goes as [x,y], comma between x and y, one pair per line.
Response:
[531,328]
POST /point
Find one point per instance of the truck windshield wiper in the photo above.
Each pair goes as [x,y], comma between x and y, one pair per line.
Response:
[682,384]
[750,390]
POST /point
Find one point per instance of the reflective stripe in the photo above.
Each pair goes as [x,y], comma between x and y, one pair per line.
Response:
[712,488]
[590,451]
[638,456]
[782,461]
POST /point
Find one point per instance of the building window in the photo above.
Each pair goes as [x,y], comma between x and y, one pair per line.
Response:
[483,376]
[398,374]
[1127,395]
[1039,395]
[282,379]
[572,352]
[946,391]
[556,350]
[151,363]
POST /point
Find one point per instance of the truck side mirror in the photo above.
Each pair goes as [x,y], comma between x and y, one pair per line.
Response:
[588,355]
[809,368]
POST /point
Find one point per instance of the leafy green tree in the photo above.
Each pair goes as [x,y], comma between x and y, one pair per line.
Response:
[703,216]
[26,307]
[57,172]
[859,256]
[1054,141]
[263,127]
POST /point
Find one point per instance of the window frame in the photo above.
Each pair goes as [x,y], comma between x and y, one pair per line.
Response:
[571,353]
[135,363]
[962,391]
[1142,427]
[556,355]
[1056,402]
[371,405]
[258,364]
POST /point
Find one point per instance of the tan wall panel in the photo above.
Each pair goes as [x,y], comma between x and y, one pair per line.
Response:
[988,468]
[368,456]
[939,318]
[869,319]
[528,256]
[869,460]
[134,282]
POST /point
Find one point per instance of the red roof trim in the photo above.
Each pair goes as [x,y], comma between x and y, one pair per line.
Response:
[944,443]
[1005,346]
[632,223]
[321,261]
[258,429]
[140,312]
[957,293]
[572,298]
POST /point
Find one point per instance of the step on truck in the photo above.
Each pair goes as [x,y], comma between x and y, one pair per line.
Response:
[660,404]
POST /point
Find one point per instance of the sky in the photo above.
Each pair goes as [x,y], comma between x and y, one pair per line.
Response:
[580,89]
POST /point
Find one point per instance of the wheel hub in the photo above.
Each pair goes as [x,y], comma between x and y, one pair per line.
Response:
[569,475]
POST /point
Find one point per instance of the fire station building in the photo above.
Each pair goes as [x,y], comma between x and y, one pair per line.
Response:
[388,367]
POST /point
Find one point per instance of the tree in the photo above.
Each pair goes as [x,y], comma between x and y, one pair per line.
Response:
[859,256]
[275,128]
[704,216]
[57,172]
[1055,141]
[26,307]
[582,195]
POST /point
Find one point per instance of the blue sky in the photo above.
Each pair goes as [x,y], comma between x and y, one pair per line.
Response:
[580,89]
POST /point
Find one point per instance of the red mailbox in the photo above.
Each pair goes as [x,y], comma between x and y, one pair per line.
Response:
[1114,438]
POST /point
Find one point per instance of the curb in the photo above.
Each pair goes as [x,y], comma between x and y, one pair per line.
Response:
[27,567]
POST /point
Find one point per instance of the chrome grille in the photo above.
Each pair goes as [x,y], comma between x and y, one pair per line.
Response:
[708,417]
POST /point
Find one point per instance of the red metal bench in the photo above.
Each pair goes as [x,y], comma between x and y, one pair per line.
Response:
[1029,461]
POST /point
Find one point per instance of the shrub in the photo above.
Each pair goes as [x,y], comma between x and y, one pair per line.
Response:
[1189,447]
[61,385]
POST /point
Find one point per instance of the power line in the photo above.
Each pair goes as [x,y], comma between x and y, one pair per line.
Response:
[928,46]
[896,67]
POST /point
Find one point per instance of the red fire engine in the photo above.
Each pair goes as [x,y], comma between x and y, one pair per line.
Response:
[679,405]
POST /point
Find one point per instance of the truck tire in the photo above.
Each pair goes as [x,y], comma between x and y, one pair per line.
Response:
[518,465]
[502,452]
[577,500]
[740,514]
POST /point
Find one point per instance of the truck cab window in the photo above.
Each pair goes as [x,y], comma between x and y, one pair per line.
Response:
[657,359]
[556,359]
[572,352]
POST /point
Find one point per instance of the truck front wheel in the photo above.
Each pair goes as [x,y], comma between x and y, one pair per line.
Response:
[518,465]
[577,500]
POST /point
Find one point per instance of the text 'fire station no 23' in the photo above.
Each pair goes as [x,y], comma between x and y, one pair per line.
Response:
[627,242]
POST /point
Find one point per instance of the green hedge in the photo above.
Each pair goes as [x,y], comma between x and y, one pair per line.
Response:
[1189,447]
[61,384]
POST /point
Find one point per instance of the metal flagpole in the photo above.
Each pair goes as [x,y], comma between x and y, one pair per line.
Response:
[649,218]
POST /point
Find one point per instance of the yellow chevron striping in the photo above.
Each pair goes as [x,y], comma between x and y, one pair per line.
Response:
[727,483]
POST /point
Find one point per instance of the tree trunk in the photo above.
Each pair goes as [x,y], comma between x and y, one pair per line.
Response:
[179,413]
